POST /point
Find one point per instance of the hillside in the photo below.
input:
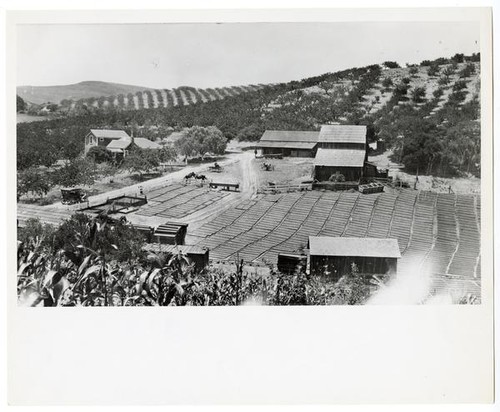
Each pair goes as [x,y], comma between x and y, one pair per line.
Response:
[82,90]
[428,114]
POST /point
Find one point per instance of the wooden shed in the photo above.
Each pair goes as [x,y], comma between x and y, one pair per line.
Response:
[197,255]
[347,162]
[288,143]
[171,233]
[334,256]
[288,262]
[336,136]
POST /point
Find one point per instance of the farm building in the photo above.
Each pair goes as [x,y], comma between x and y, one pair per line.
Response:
[341,149]
[288,143]
[101,137]
[117,142]
[197,255]
[335,255]
[336,136]
[349,163]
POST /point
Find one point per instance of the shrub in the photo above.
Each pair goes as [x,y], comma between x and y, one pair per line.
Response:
[391,65]
[433,70]
[99,154]
[467,71]
[418,94]
[460,85]
[337,177]
[387,82]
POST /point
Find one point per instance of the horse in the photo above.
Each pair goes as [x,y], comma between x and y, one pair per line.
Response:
[189,176]
[201,177]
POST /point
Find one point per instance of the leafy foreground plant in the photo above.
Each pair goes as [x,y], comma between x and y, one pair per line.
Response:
[81,264]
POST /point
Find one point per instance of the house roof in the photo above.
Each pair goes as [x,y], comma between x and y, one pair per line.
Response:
[339,157]
[289,145]
[289,136]
[109,134]
[120,144]
[353,246]
[337,133]
[143,143]
[174,137]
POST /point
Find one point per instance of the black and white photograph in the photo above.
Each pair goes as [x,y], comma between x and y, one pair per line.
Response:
[241,206]
[229,169]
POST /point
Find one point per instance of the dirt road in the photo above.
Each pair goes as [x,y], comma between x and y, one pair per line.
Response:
[150,184]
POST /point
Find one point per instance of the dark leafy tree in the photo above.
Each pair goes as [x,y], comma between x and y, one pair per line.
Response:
[20,104]
[391,65]
[99,154]
[32,181]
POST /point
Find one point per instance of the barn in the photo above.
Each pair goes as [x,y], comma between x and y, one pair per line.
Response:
[341,149]
[335,255]
[288,143]
[349,163]
[336,136]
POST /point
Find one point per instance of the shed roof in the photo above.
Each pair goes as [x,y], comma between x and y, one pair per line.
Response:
[340,157]
[143,143]
[289,136]
[353,246]
[109,134]
[119,144]
[288,145]
[336,133]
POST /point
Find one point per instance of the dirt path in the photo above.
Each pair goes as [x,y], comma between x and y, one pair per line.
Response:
[150,185]
[248,189]
[250,178]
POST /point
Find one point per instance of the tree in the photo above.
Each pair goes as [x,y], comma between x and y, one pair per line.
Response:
[32,181]
[167,154]
[99,154]
[433,70]
[418,94]
[76,172]
[198,141]
[251,133]
[141,161]
[391,65]
[20,104]
[387,82]
[468,70]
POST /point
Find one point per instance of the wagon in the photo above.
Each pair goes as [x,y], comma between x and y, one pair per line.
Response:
[72,195]
[216,168]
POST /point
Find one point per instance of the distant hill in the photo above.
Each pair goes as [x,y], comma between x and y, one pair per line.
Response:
[428,113]
[82,90]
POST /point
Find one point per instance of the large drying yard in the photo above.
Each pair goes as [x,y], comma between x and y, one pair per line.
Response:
[436,231]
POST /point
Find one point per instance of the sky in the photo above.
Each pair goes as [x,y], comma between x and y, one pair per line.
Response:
[205,55]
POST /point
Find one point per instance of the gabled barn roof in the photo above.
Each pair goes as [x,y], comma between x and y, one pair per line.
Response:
[110,134]
[353,246]
[119,144]
[336,133]
[285,144]
[339,157]
[289,136]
